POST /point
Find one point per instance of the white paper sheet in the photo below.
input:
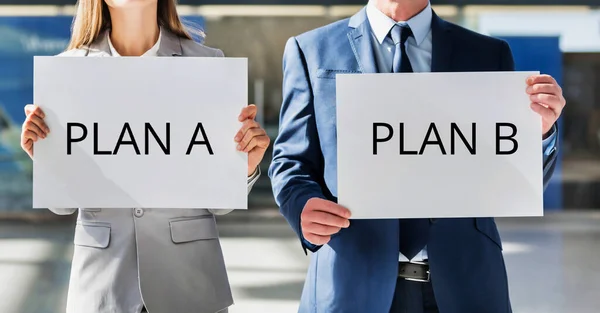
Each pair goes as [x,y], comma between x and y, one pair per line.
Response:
[113,91]
[431,184]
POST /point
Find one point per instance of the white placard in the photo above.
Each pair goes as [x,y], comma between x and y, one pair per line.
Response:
[106,94]
[469,180]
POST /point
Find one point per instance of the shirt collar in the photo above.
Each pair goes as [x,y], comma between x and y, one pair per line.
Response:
[151,52]
[381,24]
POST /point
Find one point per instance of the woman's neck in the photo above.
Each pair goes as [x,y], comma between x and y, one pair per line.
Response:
[134,30]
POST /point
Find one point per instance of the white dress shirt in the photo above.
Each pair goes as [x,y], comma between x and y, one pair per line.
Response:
[419,49]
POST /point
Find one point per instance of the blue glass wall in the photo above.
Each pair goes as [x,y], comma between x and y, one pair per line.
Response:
[22,38]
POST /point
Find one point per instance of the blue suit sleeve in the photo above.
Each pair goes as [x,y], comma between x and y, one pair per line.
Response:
[550,149]
[296,170]
[550,143]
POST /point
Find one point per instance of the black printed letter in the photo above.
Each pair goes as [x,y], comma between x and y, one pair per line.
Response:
[96,151]
[376,139]
[509,137]
[69,133]
[132,142]
[166,149]
[194,142]
[455,130]
[437,141]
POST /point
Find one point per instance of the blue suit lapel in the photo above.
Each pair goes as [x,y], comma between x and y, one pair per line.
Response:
[441,59]
[359,36]
[360,40]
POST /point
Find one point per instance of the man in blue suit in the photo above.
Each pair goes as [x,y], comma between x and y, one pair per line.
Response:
[381,266]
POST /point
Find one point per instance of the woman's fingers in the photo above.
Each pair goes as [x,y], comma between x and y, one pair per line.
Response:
[29,135]
[248,112]
[37,125]
[251,139]
[248,124]
[34,109]
[27,146]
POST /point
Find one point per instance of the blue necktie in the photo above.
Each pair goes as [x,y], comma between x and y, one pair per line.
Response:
[400,35]
[413,232]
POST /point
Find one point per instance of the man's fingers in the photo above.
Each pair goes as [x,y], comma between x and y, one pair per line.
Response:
[321,218]
[328,206]
[335,208]
[316,239]
[248,112]
[319,229]
[548,100]
[546,113]
[544,88]
[325,218]
[541,79]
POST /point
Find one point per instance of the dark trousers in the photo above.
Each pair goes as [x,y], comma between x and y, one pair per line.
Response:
[413,297]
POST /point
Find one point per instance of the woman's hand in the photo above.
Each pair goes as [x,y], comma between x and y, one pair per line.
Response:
[34,128]
[251,138]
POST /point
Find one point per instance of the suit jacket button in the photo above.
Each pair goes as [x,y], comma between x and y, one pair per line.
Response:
[138,212]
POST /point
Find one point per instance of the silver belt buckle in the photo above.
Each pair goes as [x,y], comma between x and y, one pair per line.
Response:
[421,280]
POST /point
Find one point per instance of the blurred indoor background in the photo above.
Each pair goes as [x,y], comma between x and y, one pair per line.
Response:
[553,262]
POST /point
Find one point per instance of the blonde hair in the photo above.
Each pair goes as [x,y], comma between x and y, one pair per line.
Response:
[93,18]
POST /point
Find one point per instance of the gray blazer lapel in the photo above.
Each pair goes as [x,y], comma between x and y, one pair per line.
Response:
[170,44]
[360,40]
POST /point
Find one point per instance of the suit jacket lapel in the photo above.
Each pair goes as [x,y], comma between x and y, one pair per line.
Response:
[360,40]
[441,59]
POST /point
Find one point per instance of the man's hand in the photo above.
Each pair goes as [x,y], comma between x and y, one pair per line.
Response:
[321,218]
[546,99]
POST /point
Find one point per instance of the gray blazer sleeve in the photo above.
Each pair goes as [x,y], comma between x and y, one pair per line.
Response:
[251,181]
[62,211]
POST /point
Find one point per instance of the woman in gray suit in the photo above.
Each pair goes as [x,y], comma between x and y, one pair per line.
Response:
[145,260]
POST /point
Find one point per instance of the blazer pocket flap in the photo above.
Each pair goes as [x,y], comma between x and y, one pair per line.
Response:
[487,227]
[95,236]
[194,229]
[331,74]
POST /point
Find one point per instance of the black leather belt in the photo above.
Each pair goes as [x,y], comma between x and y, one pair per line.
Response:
[414,271]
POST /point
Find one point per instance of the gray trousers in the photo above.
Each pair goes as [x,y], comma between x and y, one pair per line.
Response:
[223,311]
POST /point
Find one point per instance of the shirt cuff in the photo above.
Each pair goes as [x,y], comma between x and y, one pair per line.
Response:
[252,178]
[549,144]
